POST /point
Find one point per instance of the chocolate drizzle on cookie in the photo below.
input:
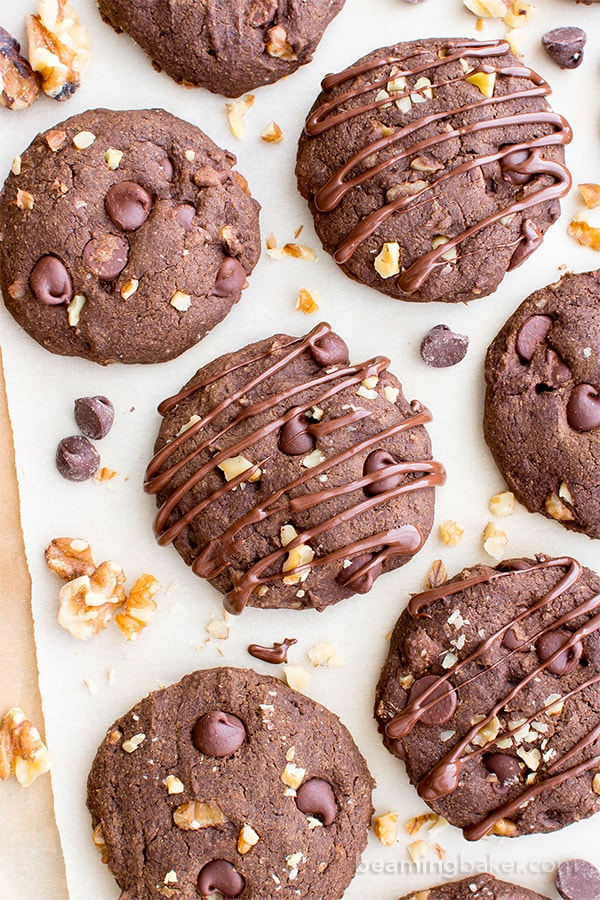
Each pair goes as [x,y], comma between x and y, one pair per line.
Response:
[375,488]
[558,650]
[520,162]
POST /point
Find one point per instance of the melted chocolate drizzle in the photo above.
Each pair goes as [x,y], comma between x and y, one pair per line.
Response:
[524,159]
[216,556]
[443,778]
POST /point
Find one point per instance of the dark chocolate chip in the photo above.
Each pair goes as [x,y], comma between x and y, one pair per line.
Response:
[375,461]
[94,416]
[295,437]
[76,458]
[184,215]
[330,350]
[106,256]
[167,167]
[510,163]
[531,238]
[512,642]
[50,281]
[552,641]
[444,695]
[315,798]
[565,46]
[218,734]
[363,583]
[578,879]
[230,279]
[128,205]
[558,371]
[505,768]
[532,332]
[441,347]
[583,408]
[220,876]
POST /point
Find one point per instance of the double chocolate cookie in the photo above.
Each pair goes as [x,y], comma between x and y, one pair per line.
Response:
[432,167]
[228,47]
[491,694]
[290,477]
[126,236]
[478,887]
[542,407]
[231,783]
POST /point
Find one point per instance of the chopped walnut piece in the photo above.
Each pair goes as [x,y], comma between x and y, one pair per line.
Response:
[236,112]
[325,655]
[24,200]
[22,752]
[487,9]
[218,629]
[272,134]
[590,194]
[87,603]
[584,233]
[139,607]
[247,839]
[277,44]
[487,733]
[485,82]
[113,158]
[557,509]
[494,540]
[19,84]
[504,828]
[386,828]
[417,822]
[437,574]
[128,288]
[69,558]
[417,850]
[503,504]
[55,139]
[306,302]
[296,677]
[387,262]
[174,785]
[100,843]
[59,47]
[596,783]
[181,301]
[237,465]
[299,556]
[196,814]
[451,533]
[293,775]
[296,251]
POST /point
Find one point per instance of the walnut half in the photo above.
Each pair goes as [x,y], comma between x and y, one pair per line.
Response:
[22,752]
[19,84]
[59,47]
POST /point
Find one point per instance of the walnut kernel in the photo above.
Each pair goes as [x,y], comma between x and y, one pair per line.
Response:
[386,828]
[58,47]
[19,84]
[139,607]
[196,814]
[22,752]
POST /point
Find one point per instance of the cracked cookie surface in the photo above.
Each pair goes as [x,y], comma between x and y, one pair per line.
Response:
[230,781]
[126,236]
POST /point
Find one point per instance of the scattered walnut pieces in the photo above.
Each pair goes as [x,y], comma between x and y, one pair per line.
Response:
[236,113]
[247,839]
[69,558]
[386,828]
[307,302]
[139,607]
[272,134]
[196,814]
[296,251]
[503,504]
[437,574]
[451,533]
[277,44]
[100,843]
[494,540]
[584,232]
[59,47]
[591,194]
[22,752]
[415,824]
[296,677]
[325,655]
[19,84]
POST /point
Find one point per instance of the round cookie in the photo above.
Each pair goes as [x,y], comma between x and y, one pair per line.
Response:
[289,477]
[230,47]
[478,887]
[542,406]
[127,236]
[491,694]
[432,167]
[230,781]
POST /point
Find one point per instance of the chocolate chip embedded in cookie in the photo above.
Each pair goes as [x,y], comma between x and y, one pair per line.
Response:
[542,406]
[289,477]
[433,167]
[490,693]
[478,887]
[230,47]
[137,240]
[225,782]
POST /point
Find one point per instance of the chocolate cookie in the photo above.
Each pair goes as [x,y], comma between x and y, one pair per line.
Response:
[542,407]
[478,887]
[432,167]
[228,781]
[289,477]
[491,693]
[127,236]
[228,47]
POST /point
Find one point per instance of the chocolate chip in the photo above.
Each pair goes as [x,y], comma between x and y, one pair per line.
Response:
[94,416]
[375,462]
[512,642]
[531,238]
[167,167]
[315,797]
[565,46]
[532,332]
[505,768]
[76,459]
[583,408]
[50,281]
[295,437]
[510,163]
[128,205]
[106,256]
[445,695]
[220,876]
[578,879]
[558,371]
[329,350]
[218,734]
[441,347]
[552,641]
[184,215]
[364,582]
[230,279]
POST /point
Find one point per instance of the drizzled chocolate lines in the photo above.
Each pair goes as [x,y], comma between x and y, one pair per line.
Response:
[443,778]
[215,557]
[330,195]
